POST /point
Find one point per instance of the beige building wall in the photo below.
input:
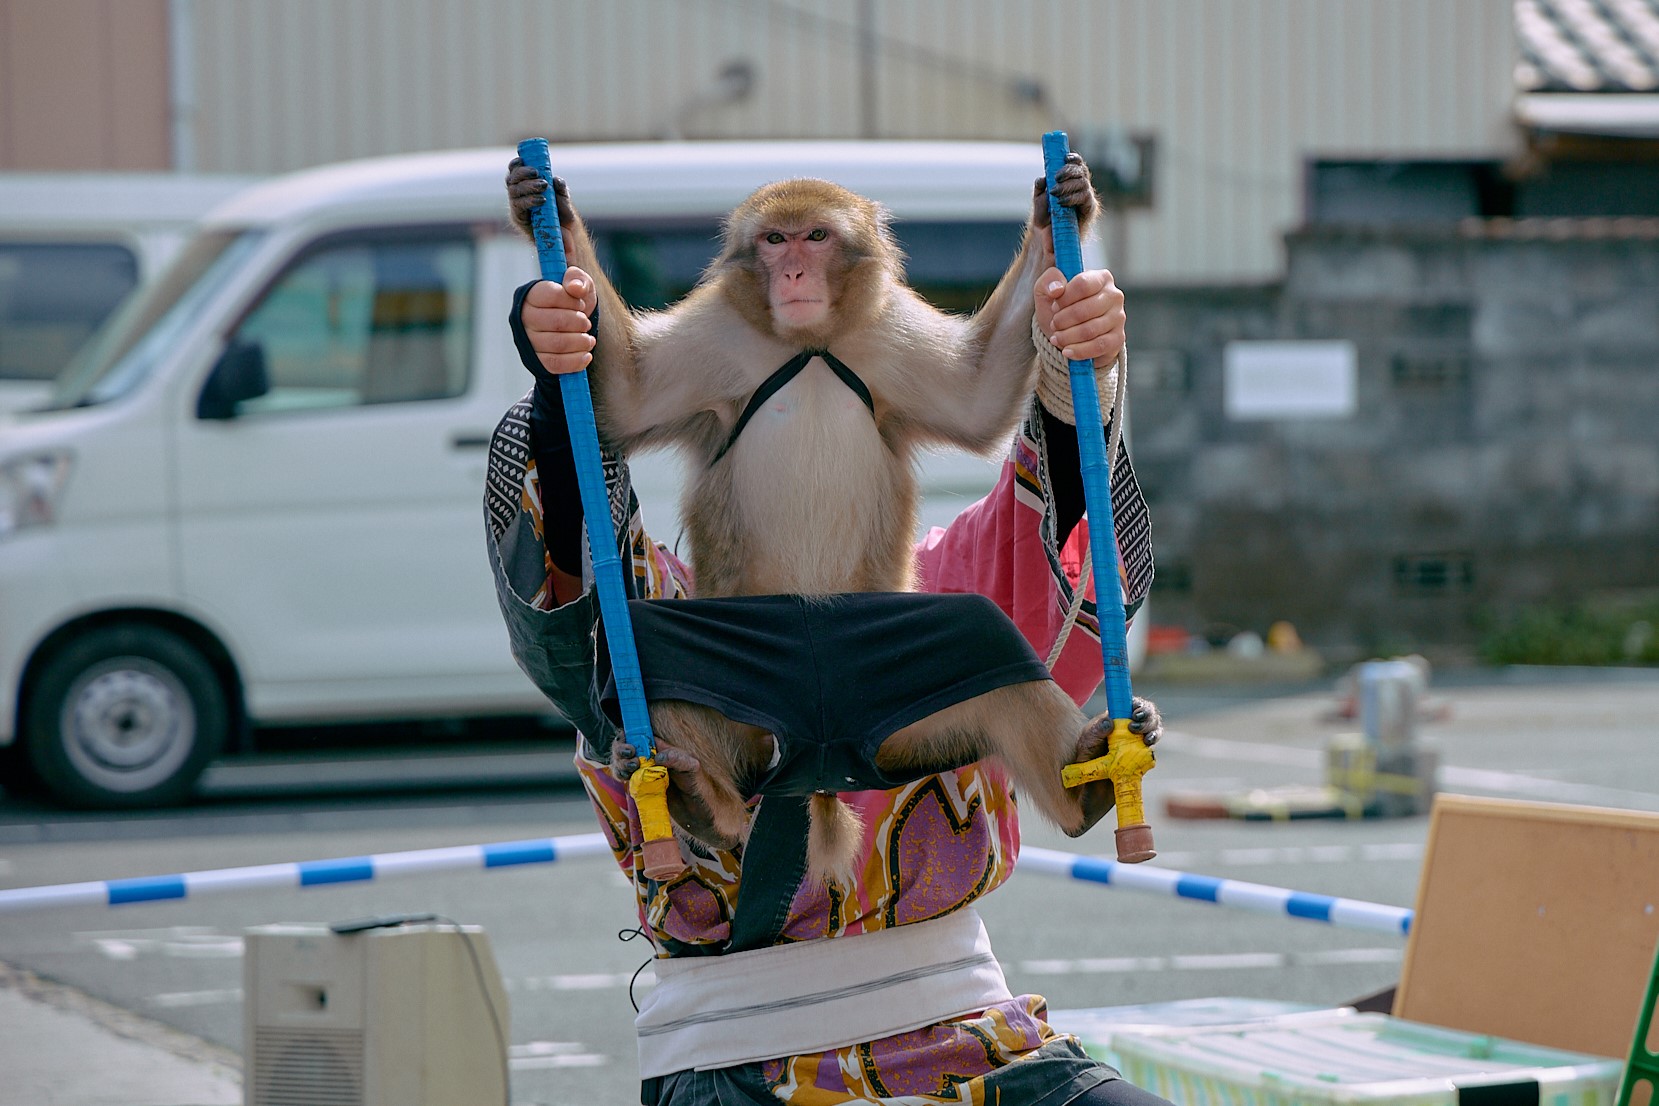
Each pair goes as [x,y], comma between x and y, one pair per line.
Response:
[1236,93]
[84,84]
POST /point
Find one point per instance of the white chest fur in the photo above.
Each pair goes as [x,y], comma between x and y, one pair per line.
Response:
[810,473]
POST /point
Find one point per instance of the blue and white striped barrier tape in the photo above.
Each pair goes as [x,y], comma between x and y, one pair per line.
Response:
[1343,913]
[302,874]
[1255,897]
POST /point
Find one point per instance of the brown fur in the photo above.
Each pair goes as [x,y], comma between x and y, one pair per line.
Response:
[823,500]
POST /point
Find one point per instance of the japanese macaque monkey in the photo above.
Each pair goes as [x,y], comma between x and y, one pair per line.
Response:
[815,494]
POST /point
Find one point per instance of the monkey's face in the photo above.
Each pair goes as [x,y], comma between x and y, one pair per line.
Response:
[806,260]
[798,262]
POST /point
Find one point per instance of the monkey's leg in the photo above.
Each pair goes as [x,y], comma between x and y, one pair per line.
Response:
[728,754]
[1033,728]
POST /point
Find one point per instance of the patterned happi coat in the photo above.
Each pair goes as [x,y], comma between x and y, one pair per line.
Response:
[930,847]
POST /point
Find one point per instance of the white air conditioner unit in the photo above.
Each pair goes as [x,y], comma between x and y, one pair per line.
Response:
[409,1015]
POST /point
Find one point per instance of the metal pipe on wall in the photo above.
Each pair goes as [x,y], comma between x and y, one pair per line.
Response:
[181,81]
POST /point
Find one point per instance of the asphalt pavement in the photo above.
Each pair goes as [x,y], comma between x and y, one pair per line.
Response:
[1497,733]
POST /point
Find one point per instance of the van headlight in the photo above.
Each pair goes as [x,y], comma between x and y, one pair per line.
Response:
[30,487]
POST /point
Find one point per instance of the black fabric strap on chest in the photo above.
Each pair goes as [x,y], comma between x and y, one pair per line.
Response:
[787,372]
[774,860]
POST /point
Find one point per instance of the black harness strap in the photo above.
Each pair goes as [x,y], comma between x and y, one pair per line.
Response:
[787,372]
[849,378]
[774,862]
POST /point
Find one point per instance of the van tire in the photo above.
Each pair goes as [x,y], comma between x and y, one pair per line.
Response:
[17,775]
[124,716]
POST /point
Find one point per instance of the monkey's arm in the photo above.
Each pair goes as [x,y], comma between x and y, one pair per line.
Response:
[967,381]
[638,395]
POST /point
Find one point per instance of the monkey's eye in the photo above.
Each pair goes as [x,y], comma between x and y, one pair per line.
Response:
[775,238]
[818,234]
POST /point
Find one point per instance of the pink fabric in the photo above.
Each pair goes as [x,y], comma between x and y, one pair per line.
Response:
[994,548]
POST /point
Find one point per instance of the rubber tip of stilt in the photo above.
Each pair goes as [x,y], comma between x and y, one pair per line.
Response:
[662,859]
[1135,843]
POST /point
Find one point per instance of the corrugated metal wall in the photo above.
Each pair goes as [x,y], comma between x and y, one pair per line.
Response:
[1237,92]
[83,85]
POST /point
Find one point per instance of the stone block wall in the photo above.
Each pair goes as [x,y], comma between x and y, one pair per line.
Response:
[1504,450]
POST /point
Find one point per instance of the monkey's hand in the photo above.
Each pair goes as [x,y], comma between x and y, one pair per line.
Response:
[1083,317]
[557,321]
[1074,189]
[1098,798]
[526,191]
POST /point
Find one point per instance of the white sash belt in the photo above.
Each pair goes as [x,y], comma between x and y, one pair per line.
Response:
[787,1000]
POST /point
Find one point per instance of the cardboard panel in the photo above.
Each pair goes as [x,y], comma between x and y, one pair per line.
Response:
[1535,921]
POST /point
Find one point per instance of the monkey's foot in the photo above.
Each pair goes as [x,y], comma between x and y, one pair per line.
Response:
[625,760]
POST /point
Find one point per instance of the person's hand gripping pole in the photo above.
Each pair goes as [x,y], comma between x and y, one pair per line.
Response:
[1127,757]
[649,785]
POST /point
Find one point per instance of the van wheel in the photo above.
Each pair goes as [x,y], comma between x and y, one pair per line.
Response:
[125,716]
[17,775]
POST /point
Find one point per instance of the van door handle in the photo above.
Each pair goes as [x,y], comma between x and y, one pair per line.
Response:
[463,440]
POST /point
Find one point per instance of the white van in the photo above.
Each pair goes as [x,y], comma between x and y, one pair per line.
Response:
[256,496]
[73,247]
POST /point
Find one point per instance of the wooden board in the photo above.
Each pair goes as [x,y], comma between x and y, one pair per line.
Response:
[1534,921]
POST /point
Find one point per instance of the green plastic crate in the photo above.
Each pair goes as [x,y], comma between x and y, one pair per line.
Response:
[1097,1027]
[1337,1058]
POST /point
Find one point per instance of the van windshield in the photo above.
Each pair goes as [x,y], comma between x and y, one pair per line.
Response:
[126,349]
[53,295]
[953,265]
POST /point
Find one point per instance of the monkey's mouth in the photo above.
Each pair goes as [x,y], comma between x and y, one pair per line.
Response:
[802,310]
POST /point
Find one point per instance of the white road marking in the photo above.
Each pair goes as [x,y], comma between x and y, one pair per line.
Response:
[589,981]
[1349,956]
[1480,779]
[184,942]
[553,1054]
[1210,962]
[1242,961]
[116,949]
[174,1000]
[1296,854]
[582,1060]
[1256,752]
[1556,790]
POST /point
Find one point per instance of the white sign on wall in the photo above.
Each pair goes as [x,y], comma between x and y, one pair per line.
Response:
[1289,380]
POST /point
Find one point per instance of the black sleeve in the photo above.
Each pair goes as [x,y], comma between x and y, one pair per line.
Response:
[550,446]
[1065,474]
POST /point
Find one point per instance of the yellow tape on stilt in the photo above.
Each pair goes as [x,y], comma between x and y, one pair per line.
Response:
[1126,760]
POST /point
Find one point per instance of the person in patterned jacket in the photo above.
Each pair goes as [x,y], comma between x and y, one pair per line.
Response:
[888,974]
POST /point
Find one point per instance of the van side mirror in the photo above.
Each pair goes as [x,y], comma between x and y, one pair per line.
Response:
[240,374]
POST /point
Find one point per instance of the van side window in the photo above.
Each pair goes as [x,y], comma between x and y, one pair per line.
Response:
[365,321]
[53,295]
[956,266]
[652,267]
